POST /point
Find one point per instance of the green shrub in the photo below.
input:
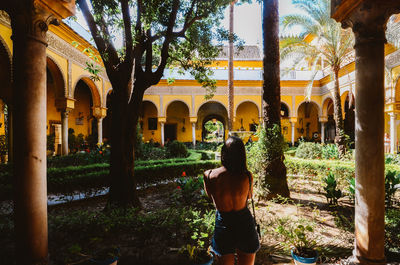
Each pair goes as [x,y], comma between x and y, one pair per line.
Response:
[51,142]
[90,177]
[308,150]
[332,192]
[392,179]
[177,149]
[329,151]
[392,230]
[150,152]
[3,145]
[79,159]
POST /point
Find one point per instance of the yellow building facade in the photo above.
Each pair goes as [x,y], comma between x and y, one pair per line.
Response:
[179,110]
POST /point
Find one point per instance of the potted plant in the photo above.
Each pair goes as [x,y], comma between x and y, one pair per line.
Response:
[299,238]
[108,256]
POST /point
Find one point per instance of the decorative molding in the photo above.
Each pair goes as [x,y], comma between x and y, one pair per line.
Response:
[70,78]
[393,59]
[65,49]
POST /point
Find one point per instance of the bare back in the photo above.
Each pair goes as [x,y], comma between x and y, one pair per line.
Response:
[228,191]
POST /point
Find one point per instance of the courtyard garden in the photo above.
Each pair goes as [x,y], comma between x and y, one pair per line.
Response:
[176,220]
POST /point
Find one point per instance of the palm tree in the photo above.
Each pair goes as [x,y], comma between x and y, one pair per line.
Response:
[326,44]
[275,170]
[230,66]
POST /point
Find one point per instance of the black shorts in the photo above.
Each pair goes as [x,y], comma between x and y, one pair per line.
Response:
[234,230]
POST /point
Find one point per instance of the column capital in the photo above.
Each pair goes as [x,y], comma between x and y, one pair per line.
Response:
[293,119]
[392,108]
[193,119]
[323,119]
[99,112]
[162,119]
[367,18]
[65,104]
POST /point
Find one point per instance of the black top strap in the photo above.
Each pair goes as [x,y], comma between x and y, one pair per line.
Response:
[251,198]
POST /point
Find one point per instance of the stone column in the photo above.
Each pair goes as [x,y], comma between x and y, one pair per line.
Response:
[194,133]
[162,133]
[293,127]
[64,132]
[99,130]
[293,121]
[323,121]
[368,21]
[29,26]
[393,133]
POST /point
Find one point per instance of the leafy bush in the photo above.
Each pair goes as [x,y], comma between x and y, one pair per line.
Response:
[3,145]
[392,230]
[189,188]
[332,192]
[89,177]
[210,146]
[150,152]
[177,149]
[352,188]
[51,138]
[330,151]
[392,179]
[270,146]
[309,150]
[79,159]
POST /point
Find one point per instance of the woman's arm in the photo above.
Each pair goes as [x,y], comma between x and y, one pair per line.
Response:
[207,182]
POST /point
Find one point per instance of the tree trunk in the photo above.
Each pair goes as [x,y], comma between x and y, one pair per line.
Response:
[230,66]
[123,191]
[340,138]
[276,169]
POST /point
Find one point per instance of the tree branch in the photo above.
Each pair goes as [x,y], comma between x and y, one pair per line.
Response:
[149,53]
[104,46]
[168,38]
[128,31]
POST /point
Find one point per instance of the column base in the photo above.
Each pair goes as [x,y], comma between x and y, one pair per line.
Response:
[355,260]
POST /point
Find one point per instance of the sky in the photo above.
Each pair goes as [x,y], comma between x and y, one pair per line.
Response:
[247,20]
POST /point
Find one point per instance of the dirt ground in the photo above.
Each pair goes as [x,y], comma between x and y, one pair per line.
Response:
[307,202]
[332,225]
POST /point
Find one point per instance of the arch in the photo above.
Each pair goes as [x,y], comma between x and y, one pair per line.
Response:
[5,72]
[307,124]
[210,101]
[325,105]
[7,49]
[247,117]
[250,101]
[172,101]
[106,93]
[344,89]
[93,88]
[177,126]
[58,76]
[287,107]
[310,101]
[211,117]
[155,105]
